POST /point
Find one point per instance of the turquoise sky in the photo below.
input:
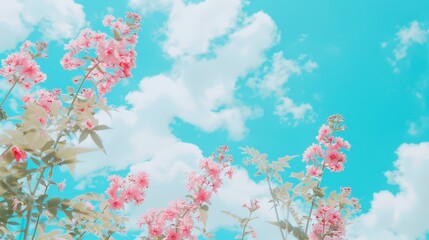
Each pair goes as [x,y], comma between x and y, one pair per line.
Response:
[353,44]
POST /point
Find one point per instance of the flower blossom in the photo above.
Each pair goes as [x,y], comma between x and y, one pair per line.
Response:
[22,68]
[180,213]
[112,59]
[18,154]
[329,224]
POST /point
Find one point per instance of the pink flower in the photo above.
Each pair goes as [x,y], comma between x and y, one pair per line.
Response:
[253,233]
[324,131]
[18,154]
[87,93]
[116,203]
[108,52]
[15,204]
[172,234]
[107,21]
[202,196]
[314,171]
[89,125]
[142,180]
[89,206]
[61,185]
[312,152]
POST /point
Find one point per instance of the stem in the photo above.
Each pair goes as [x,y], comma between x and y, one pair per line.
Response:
[27,224]
[245,225]
[44,192]
[287,221]
[309,215]
[8,93]
[275,208]
[54,146]
[80,87]
[179,219]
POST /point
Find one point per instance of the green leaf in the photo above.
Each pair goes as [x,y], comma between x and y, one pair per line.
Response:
[83,135]
[101,127]
[97,140]
[318,192]
[70,90]
[47,146]
[204,214]
[117,35]
[3,115]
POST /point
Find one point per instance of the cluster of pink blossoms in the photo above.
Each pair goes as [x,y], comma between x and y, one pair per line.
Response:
[329,225]
[114,57]
[127,190]
[176,221]
[20,66]
[48,100]
[328,149]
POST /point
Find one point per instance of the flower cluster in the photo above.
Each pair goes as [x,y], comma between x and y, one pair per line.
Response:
[329,225]
[127,190]
[327,153]
[114,57]
[48,100]
[176,221]
[20,66]
[254,205]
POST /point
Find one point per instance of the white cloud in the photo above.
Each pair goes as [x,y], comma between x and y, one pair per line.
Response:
[310,65]
[276,76]
[287,107]
[407,37]
[55,19]
[419,126]
[149,6]
[401,215]
[191,26]
[273,81]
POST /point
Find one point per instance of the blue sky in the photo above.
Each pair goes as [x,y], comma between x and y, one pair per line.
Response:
[264,74]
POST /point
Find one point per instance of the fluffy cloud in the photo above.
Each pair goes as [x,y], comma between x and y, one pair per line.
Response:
[149,6]
[192,26]
[407,37]
[287,107]
[273,81]
[55,19]
[401,215]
